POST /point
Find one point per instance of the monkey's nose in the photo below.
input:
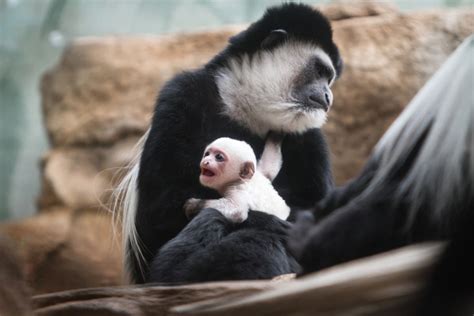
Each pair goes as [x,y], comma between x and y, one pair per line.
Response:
[328,99]
[320,100]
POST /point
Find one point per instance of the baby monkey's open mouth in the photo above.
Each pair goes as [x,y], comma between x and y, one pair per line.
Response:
[207,172]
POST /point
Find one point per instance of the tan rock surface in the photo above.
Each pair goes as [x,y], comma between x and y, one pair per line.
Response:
[61,249]
[104,89]
[37,237]
[90,256]
[342,10]
[83,177]
[15,296]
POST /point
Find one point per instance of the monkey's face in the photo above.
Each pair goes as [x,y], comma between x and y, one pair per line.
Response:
[312,86]
[285,88]
[216,169]
[226,161]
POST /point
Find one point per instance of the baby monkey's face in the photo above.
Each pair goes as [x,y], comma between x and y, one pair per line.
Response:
[215,171]
[226,162]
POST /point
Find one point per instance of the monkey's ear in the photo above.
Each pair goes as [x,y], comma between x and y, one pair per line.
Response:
[274,38]
[247,170]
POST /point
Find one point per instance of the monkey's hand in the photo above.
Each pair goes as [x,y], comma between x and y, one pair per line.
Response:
[192,206]
[271,160]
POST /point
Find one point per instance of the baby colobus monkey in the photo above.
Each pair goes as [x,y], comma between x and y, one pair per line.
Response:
[229,166]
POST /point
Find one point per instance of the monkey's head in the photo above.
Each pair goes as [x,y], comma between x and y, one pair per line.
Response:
[226,161]
[277,74]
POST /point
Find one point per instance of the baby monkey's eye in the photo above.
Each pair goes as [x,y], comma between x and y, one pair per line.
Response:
[219,157]
[206,154]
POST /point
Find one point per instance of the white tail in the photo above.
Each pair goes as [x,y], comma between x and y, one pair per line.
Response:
[443,113]
[126,200]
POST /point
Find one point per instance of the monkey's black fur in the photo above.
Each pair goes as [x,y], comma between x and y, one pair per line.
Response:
[301,22]
[450,289]
[346,225]
[221,250]
[187,118]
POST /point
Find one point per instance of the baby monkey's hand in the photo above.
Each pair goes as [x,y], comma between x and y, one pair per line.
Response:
[192,206]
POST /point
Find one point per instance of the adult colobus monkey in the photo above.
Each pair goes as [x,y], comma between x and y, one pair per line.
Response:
[418,184]
[273,77]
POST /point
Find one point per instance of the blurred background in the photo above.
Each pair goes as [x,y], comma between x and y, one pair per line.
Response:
[78,80]
[33,35]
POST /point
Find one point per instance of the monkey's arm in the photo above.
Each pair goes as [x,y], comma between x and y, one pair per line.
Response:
[352,232]
[340,196]
[305,176]
[271,160]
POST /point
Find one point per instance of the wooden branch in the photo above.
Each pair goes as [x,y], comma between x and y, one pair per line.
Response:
[385,284]
[139,300]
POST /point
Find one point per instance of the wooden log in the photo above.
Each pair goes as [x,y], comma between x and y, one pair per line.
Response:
[385,284]
[138,300]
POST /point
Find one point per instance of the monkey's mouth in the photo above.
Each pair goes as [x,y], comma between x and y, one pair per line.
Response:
[311,108]
[207,172]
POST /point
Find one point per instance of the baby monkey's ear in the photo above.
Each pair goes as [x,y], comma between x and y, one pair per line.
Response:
[247,169]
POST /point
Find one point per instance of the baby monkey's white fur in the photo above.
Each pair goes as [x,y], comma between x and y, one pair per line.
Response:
[242,186]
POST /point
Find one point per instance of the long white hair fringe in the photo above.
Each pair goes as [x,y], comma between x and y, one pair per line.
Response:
[126,201]
[443,113]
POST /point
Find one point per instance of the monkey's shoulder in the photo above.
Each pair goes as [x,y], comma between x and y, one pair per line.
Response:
[189,91]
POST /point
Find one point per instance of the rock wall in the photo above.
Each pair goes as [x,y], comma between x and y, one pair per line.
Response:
[15,296]
[99,98]
[63,249]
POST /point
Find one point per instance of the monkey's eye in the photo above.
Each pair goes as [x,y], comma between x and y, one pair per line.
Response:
[220,157]
[206,154]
